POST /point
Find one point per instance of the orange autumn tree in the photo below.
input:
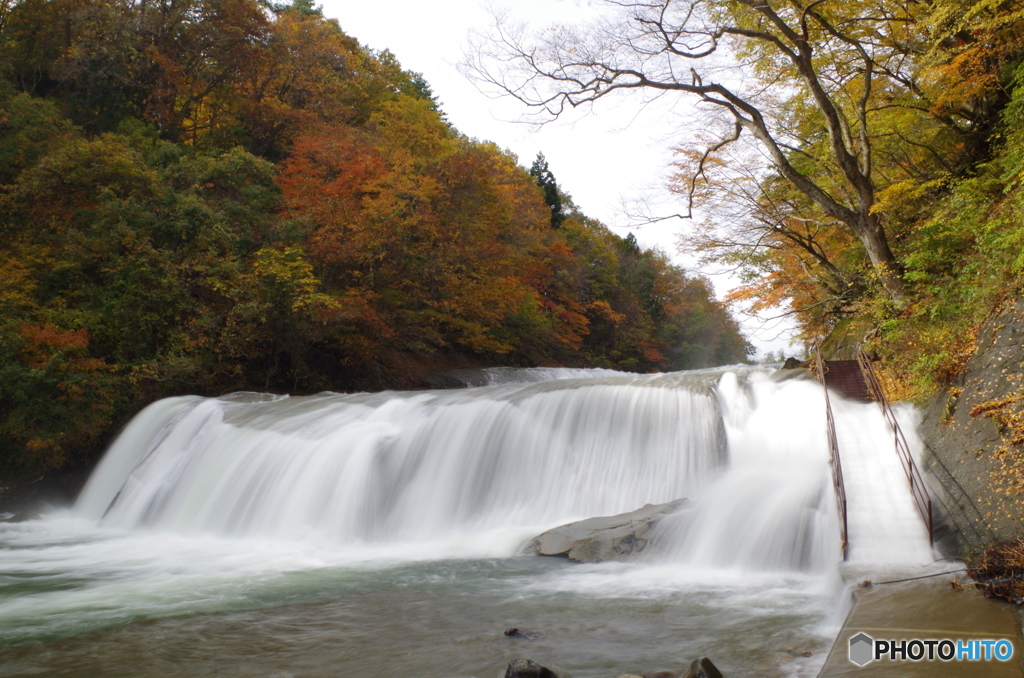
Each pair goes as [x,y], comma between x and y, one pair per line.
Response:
[435,228]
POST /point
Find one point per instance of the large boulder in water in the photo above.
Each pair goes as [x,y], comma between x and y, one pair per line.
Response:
[595,540]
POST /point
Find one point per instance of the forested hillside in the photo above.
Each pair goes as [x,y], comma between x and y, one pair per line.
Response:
[200,196]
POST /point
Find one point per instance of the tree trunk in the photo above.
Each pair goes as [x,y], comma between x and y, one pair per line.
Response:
[869,231]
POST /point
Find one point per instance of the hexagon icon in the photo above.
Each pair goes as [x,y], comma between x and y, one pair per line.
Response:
[862,649]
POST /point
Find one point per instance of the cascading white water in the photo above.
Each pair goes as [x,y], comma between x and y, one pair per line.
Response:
[416,467]
[406,467]
[376,502]
[774,509]
[885,528]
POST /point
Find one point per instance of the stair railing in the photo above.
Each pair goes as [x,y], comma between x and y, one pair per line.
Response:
[833,447]
[917,486]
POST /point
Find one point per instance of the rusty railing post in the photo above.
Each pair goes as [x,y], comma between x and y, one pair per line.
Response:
[833,446]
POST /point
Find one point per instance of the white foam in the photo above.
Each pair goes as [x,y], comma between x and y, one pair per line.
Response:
[486,466]
[413,467]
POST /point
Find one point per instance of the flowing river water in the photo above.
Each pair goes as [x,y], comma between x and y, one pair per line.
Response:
[377,534]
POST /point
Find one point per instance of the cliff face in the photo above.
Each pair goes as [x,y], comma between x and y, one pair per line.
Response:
[968,427]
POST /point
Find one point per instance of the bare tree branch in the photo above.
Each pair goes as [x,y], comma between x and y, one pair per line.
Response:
[823,56]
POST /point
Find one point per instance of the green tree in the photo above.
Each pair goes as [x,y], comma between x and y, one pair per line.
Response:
[541,173]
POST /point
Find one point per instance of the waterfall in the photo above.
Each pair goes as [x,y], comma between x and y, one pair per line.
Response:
[387,525]
[531,450]
[775,507]
[408,467]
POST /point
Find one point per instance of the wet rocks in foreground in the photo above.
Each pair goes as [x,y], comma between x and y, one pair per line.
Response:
[527,668]
[703,668]
[699,668]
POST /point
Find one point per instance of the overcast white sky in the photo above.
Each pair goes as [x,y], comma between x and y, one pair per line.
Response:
[617,154]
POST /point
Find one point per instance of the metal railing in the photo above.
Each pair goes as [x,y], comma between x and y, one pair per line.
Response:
[833,446]
[917,486]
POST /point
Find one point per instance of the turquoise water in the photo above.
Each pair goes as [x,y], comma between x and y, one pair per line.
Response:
[77,601]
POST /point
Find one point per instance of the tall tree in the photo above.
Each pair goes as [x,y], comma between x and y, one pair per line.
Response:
[541,173]
[834,61]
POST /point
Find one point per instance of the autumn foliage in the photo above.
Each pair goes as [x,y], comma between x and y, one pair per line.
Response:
[201,196]
[929,101]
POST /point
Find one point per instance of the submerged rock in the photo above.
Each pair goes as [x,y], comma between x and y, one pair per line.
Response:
[792,374]
[19,517]
[595,540]
[527,668]
[703,668]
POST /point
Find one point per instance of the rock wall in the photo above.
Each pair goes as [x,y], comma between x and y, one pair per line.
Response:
[962,442]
